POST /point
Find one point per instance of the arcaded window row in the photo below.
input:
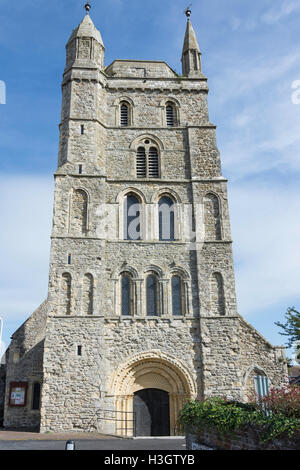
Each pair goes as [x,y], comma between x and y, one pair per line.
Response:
[151,296]
[167,222]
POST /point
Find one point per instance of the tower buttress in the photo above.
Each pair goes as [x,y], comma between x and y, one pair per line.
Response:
[83,101]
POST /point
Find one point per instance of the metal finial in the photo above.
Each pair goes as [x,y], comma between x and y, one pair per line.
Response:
[188,11]
[87,6]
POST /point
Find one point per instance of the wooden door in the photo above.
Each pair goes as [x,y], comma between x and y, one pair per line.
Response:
[152,412]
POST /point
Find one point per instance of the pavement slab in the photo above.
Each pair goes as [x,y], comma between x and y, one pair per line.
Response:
[17,435]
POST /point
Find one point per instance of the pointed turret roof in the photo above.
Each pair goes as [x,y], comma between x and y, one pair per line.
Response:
[87,29]
[190,40]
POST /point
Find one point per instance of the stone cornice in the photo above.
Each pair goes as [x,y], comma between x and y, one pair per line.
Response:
[209,125]
[143,242]
[119,319]
[168,181]
[172,84]
[142,180]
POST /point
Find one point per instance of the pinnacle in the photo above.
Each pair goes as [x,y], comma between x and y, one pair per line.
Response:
[87,29]
[190,40]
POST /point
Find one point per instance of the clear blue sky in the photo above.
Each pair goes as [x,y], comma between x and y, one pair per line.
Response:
[251,56]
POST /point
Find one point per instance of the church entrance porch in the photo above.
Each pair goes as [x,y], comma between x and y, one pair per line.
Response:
[149,390]
[152,412]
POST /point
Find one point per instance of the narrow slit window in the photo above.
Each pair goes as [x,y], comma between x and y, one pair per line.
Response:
[82,129]
[80,169]
[79,350]
[69,259]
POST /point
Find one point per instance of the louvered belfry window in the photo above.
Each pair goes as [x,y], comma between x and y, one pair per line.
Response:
[170,114]
[141,163]
[124,115]
[147,161]
[153,163]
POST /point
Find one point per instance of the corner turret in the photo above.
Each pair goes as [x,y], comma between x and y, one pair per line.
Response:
[191,55]
[85,46]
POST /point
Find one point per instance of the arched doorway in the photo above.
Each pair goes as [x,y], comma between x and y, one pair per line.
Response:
[151,408]
[133,385]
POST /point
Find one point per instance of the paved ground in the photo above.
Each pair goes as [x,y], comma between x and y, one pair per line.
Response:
[99,444]
[17,435]
[15,440]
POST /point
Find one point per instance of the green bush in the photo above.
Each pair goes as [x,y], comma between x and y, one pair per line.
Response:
[227,417]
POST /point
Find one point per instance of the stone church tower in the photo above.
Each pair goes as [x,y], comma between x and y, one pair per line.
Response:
[141,314]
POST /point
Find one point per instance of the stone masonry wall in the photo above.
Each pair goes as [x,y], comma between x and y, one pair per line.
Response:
[25,364]
[258,356]
[231,350]
[72,381]
[246,439]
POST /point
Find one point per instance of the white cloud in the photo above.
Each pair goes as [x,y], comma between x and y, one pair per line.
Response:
[275,14]
[280,11]
[265,229]
[263,137]
[242,75]
[258,124]
[26,211]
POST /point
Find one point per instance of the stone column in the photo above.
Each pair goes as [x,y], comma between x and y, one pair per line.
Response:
[164,297]
[138,297]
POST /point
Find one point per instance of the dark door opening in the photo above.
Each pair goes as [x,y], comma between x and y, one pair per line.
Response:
[152,412]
